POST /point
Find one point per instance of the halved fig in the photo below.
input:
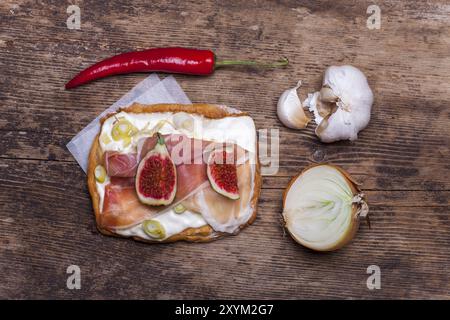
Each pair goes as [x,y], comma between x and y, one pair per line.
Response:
[222,173]
[156,178]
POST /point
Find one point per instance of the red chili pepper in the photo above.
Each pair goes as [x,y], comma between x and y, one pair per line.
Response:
[169,60]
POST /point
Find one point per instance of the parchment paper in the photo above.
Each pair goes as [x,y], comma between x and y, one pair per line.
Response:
[149,91]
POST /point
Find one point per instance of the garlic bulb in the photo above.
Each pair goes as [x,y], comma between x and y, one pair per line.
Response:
[342,107]
[290,110]
[322,207]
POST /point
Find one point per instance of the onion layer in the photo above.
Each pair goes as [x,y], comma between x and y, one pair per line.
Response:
[322,207]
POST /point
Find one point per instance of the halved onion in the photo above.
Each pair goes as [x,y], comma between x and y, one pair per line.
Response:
[322,207]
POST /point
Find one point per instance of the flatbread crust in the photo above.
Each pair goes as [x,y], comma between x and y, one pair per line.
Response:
[202,234]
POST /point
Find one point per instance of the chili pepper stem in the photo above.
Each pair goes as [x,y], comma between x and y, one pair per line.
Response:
[280,63]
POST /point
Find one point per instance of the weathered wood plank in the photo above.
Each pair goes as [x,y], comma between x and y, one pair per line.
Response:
[402,166]
[408,233]
[46,221]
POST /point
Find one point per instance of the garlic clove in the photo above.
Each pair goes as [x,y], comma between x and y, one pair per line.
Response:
[327,95]
[320,129]
[290,110]
[325,108]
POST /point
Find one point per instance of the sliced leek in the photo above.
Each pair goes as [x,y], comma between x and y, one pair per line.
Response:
[122,129]
[100,173]
[179,208]
[105,139]
[154,229]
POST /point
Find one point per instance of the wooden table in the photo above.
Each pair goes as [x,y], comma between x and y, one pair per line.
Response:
[402,158]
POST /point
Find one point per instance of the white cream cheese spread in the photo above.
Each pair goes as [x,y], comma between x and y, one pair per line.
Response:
[239,130]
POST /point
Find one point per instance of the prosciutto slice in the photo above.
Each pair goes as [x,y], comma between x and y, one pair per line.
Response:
[221,213]
[121,164]
[121,205]
[182,149]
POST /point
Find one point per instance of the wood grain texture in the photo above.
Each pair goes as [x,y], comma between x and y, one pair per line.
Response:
[402,158]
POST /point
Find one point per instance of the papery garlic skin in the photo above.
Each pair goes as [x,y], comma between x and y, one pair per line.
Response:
[321,208]
[354,103]
[290,110]
[311,102]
